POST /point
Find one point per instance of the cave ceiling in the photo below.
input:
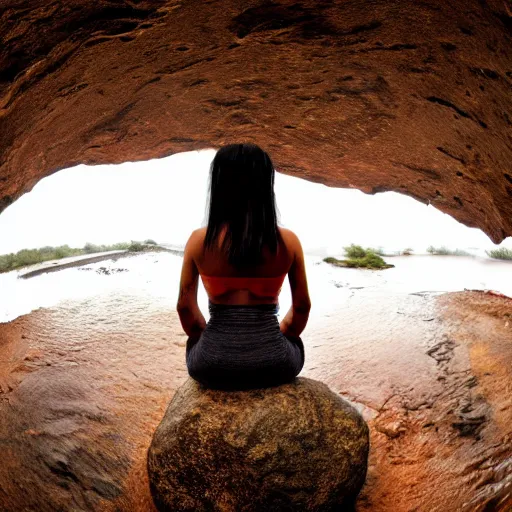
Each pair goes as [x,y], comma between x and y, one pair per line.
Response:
[412,97]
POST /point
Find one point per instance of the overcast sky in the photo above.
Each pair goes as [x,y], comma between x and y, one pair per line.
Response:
[165,200]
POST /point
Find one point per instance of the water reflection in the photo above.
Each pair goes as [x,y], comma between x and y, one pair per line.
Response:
[155,276]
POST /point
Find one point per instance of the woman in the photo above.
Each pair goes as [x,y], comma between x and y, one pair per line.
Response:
[243,258]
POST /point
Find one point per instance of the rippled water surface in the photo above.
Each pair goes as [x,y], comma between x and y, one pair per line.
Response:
[156,276]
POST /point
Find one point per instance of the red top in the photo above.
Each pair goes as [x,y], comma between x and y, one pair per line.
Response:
[260,286]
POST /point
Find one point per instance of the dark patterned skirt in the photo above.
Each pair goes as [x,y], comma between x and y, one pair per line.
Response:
[242,347]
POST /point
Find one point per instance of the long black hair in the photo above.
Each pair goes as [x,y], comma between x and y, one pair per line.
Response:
[241,198]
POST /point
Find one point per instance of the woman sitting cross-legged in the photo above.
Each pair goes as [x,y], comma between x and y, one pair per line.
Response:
[243,257]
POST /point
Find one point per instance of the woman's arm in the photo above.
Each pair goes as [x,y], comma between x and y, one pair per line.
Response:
[192,320]
[297,317]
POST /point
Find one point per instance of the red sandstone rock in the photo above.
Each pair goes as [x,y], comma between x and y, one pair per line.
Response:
[413,97]
[75,436]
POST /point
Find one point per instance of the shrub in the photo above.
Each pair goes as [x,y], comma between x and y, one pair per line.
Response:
[373,260]
[47,250]
[60,252]
[370,260]
[6,262]
[444,251]
[135,246]
[121,246]
[354,251]
[441,251]
[378,250]
[500,254]
[149,241]
[28,257]
[359,258]
[32,256]
[91,248]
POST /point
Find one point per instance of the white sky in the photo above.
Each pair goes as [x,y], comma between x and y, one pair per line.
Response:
[165,200]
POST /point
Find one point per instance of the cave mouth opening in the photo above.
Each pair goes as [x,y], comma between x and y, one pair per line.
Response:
[164,199]
[108,208]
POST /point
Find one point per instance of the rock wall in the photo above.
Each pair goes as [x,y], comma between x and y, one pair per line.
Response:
[413,97]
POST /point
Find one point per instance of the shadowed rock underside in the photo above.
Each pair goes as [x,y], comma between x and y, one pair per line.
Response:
[384,95]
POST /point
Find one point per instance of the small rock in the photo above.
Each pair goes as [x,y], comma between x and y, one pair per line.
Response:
[392,430]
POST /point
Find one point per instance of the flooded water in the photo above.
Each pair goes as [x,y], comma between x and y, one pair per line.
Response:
[86,376]
[156,275]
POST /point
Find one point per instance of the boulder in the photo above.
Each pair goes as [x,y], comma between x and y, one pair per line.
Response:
[298,446]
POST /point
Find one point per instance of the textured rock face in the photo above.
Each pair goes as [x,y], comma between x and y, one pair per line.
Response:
[407,96]
[293,447]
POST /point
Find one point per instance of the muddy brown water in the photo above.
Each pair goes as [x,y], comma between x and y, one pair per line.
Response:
[85,383]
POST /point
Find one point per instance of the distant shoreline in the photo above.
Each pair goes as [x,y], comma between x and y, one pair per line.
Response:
[49,254]
[78,261]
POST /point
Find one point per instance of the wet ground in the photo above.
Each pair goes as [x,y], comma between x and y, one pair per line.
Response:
[85,382]
[82,394]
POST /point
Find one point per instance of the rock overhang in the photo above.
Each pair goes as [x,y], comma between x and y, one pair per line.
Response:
[404,96]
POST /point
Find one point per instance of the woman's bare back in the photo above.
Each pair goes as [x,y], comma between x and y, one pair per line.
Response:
[214,263]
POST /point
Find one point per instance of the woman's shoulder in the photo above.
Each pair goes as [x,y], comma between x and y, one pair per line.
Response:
[290,239]
[196,239]
[199,233]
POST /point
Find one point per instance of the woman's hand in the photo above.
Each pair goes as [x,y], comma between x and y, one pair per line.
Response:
[197,328]
[284,326]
